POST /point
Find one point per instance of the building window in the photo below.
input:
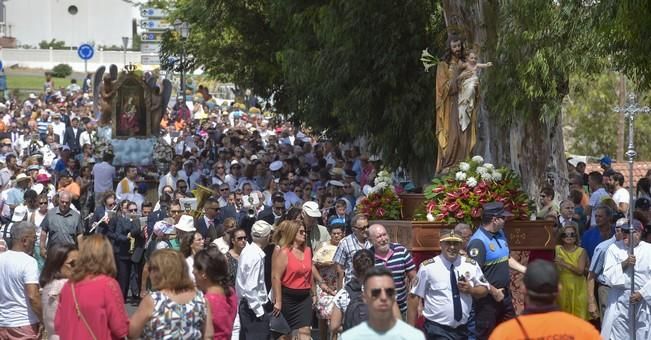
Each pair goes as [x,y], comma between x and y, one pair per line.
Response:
[73,10]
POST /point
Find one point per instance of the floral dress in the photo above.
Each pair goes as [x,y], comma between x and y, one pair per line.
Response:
[171,320]
[232,268]
[325,301]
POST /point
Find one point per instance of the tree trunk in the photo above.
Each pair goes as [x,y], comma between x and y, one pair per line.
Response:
[532,146]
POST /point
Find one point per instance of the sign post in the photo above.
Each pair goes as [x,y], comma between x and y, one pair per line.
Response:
[85,52]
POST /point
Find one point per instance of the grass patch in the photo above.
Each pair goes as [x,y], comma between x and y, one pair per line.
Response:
[33,82]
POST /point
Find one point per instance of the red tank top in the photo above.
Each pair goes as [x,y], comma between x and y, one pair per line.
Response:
[298,274]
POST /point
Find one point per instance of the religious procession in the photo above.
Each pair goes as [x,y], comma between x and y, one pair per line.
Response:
[445,185]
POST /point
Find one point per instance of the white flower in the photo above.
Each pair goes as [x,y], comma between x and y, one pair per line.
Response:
[497,176]
[478,159]
[481,170]
[379,187]
[471,181]
[430,217]
[460,176]
[464,166]
[486,176]
[489,166]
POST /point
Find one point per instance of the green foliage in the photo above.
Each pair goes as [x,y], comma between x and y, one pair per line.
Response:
[54,44]
[590,125]
[61,71]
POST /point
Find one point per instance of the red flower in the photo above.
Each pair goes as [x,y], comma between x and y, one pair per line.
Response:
[452,195]
[380,212]
[459,214]
[438,189]
[476,212]
[453,207]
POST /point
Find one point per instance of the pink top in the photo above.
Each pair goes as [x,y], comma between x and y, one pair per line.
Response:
[223,310]
[100,302]
[298,274]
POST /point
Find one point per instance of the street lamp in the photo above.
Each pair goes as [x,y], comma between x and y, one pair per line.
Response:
[125,43]
[183,29]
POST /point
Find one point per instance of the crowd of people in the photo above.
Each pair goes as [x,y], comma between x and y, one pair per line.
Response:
[250,231]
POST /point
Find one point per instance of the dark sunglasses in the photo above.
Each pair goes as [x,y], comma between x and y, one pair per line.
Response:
[223,189]
[241,238]
[364,227]
[176,211]
[376,292]
[133,210]
[43,203]
[568,235]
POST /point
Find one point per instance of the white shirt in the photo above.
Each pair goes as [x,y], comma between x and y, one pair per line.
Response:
[433,285]
[17,270]
[103,174]
[84,138]
[120,194]
[621,195]
[616,317]
[59,129]
[249,281]
[167,180]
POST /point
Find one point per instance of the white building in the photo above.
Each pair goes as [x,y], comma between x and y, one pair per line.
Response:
[102,22]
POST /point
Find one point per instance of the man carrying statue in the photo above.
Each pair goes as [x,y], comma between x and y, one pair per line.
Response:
[455,140]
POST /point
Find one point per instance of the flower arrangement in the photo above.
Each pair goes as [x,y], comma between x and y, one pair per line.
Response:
[381,201]
[459,196]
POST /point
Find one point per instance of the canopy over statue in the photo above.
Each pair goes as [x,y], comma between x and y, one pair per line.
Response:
[457,97]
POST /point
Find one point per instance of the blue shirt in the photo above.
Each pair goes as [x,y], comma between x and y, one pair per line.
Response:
[590,239]
[491,251]
[598,261]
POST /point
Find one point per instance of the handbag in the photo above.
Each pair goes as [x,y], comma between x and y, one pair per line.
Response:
[81,316]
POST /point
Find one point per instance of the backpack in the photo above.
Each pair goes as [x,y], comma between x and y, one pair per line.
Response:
[357,310]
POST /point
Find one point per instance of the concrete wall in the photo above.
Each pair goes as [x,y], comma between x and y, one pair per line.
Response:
[46,59]
[103,22]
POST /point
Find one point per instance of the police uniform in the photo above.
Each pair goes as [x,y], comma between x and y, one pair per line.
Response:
[491,252]
[434,287]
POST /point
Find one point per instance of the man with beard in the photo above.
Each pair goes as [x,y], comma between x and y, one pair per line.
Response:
[454,142]
[617,272]
[621,196]
[489,247]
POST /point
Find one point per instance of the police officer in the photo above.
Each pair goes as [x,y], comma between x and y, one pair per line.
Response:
[489,248]
[447,283]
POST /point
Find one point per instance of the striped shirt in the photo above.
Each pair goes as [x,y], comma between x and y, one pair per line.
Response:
[346,249]
[399,263]
[42,126]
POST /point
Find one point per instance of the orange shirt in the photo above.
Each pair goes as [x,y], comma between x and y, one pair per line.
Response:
[298,274]
[551,325]
[74,189]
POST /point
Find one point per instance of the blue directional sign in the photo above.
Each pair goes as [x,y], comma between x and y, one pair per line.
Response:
[85,51]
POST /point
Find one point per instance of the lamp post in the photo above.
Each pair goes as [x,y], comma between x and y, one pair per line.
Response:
[183,29]
[630,111]
[125,44]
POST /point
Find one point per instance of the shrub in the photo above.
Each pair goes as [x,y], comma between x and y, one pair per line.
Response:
[61,71]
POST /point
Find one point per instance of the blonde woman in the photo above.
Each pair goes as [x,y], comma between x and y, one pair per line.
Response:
[91,304]
[571,262]
[291,278]
[175,310]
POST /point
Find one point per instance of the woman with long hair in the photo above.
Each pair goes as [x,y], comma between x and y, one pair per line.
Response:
[191,244]
[213,278]
[571,262]
[291,278]
[60,262]
[175,309]
[91,304]
[237,244]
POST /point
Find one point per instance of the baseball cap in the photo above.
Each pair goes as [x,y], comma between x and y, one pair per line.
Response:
[448,235]
[495,209]
[311,208]
[606,160]
[637,225]
[541,279]
[643,203]
[19,213]
[276,165]
[261,228]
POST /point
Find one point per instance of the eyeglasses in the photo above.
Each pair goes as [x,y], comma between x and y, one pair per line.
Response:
[377,292]
[241,238]
[568,235]
[302,232]
[175,212]
[133,210]
[225,189]
[43,203]
[364,227]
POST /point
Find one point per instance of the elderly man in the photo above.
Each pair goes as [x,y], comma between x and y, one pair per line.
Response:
[347,248]
[379,294]
[20,301]
[317,233]
[396,258]
[254,308]
[617,272]
[465,232]
[61,225]
[596,277]
[447,284]
[489,247]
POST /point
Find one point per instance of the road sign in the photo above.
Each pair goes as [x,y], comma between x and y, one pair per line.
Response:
[153,13]
[85,51]
[150,36]
[150,59]
[150,47]
[155,24]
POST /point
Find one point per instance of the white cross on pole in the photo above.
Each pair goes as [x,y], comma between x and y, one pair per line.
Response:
[630,111]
